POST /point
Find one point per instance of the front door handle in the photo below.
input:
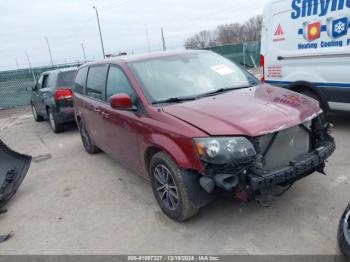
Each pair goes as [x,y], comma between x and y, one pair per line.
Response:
[105,115]
[97,110]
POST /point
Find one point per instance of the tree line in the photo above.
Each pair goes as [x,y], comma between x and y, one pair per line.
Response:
[227,34]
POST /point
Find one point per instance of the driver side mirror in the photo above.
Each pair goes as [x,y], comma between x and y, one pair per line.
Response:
[30,88]
[121,102]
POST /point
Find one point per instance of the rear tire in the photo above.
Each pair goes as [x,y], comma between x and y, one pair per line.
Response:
[36,117]
[86,139]
[169,188]
[55,127]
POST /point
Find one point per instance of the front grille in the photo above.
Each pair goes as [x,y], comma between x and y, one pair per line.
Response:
[279,149]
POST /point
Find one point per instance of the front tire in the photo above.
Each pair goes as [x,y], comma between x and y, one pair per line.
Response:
[344,233]
[55,127]
[169,188]
[86,139]
[36,117]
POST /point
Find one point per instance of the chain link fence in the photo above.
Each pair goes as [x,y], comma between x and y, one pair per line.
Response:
[15,83]
[246,54]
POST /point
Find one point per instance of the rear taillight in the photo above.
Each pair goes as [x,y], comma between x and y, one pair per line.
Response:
[63,94]
[262,68]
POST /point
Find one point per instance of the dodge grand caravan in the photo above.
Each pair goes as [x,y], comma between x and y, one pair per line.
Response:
[197,125]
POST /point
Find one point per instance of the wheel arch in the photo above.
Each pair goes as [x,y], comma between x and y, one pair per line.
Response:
[300,86]
[158,142]
[149,153]
[78,119]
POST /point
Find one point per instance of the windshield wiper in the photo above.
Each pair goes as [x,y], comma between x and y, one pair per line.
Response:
[190,98]
[222,90]
[175,100]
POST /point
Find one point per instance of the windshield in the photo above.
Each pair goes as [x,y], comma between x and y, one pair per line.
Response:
[189,75]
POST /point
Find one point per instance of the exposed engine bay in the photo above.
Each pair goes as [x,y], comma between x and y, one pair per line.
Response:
[281,159]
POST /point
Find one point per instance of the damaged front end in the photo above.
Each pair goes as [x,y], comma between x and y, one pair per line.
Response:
[13,169]
[280,159]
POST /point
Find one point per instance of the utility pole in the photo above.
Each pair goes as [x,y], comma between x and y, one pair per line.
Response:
[48,47]
[163,39]
[99,28]
[82,47]
[147,39]
[30,67]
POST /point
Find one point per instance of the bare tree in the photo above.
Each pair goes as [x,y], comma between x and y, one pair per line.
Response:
[252,29]
[191,43]
[227,34]
[199,41]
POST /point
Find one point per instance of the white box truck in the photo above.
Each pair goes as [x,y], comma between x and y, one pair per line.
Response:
[306,48]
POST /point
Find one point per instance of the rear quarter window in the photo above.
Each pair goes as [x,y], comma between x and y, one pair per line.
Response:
[96,81]
[80,80]
[66,79]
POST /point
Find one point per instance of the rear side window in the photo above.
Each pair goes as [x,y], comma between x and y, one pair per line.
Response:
[80,80]
[45,81]
[39,83]
[117,83]
[96,81]
[66,79]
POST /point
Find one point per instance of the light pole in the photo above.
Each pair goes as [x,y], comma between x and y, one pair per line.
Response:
[82,46]
[30,67]
[163,39]
[99,28]
[48,47]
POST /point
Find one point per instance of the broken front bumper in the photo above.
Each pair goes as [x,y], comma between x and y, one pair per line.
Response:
[13,169]
[296,169]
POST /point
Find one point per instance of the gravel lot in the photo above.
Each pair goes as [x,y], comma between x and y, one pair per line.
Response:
[74,203]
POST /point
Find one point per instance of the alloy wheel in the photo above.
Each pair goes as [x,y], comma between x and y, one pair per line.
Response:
[166,187]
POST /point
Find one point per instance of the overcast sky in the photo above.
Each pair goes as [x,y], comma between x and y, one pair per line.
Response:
[67,23]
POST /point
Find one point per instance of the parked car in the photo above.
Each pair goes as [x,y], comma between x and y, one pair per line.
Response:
[52,98]
[305,47]
[196,124]
[344,232]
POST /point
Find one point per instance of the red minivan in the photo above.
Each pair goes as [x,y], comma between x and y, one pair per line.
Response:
[198,125]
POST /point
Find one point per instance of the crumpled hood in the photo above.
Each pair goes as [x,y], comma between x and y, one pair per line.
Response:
[251,111]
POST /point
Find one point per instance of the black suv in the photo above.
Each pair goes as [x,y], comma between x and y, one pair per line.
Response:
[52,98]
